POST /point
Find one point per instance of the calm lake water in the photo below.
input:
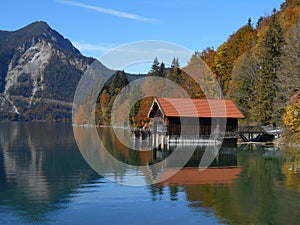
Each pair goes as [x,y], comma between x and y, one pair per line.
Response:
[45,179]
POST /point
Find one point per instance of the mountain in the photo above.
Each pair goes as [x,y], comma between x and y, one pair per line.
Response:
[40,70]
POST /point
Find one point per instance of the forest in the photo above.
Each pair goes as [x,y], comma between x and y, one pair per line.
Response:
[258,67]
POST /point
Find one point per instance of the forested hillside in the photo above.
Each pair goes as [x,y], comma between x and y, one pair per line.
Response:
[258,67]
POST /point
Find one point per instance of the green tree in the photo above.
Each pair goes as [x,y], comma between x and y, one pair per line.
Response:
[268,55]
[162,70]
[155,68]
[289,71]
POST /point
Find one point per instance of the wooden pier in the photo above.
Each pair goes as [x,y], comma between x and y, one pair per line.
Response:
[160,135]
[254,133]
[245,133]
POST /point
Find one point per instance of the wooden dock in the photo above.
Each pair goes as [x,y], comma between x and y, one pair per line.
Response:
[246,133]
[253,133]
[161,136]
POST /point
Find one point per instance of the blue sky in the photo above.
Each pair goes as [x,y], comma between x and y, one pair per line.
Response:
[96,26]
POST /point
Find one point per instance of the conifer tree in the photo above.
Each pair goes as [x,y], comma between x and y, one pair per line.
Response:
[154,68]
[289,72]
[161,71]
[269,53]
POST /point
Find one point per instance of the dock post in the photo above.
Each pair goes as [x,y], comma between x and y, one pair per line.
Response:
[163,137]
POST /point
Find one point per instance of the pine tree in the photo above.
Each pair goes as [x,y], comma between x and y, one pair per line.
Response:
[289,72]
[161,71]
[154,68]
[269,53]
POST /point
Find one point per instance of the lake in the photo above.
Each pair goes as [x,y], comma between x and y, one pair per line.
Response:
[46,179]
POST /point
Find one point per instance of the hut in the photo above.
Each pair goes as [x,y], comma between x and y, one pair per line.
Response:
[174,116]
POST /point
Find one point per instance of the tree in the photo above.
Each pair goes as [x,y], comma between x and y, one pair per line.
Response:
[208,56]
[154,68]
[244,83]
[223,65]
[289,71]
[175,72]
[293,2]
[161,71]
[269,53]
[198,80]
[175,64]
[136,93]
[292,118]
[226,55]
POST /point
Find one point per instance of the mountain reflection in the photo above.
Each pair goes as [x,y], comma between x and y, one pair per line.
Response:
[39,167]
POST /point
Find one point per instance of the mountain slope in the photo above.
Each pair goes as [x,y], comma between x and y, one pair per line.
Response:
[39,73]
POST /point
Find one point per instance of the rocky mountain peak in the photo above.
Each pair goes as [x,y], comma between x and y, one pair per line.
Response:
[33,33]
[39,73]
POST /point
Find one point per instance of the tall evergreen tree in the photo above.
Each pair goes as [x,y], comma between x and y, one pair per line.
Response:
[269,53]
[155,68]
[289,72]
[161,71]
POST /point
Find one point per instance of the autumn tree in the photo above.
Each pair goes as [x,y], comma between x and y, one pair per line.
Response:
[135,94]
[208,56]
[292,118]
[198,80]
[244,83]
[107,97]
[227,54]
[175,72]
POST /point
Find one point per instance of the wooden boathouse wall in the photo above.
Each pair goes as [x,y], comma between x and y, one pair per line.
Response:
[204,128]
[165,121]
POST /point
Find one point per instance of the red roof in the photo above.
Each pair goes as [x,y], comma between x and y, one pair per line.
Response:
[205,108]
[187,176]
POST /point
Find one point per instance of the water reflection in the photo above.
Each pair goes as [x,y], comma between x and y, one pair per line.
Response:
[110,158]
[39,167]
[42,171]
[257,191]
[291,169]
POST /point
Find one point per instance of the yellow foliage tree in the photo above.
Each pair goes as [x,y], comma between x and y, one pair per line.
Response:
[292,118]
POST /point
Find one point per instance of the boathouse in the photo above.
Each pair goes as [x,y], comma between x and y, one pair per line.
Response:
[169,115]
